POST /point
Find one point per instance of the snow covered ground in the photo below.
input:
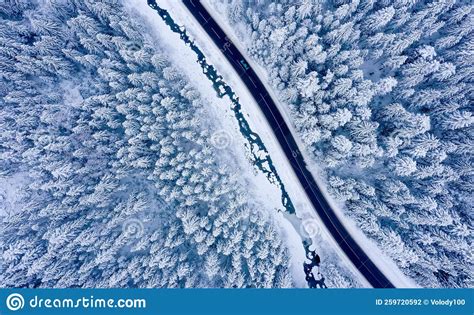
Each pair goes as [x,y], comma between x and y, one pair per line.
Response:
[383,262]
[323,242]
[11,192]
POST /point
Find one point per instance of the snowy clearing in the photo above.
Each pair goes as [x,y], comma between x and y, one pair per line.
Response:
[11,192]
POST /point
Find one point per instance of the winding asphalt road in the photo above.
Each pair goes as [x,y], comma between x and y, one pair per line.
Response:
[350,247]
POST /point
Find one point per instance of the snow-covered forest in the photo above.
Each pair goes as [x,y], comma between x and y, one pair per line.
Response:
[108,174]
[381,94]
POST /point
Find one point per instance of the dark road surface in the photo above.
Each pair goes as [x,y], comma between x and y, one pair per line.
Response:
[353,251]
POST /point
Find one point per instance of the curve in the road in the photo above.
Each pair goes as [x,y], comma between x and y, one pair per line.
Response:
[286,140]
